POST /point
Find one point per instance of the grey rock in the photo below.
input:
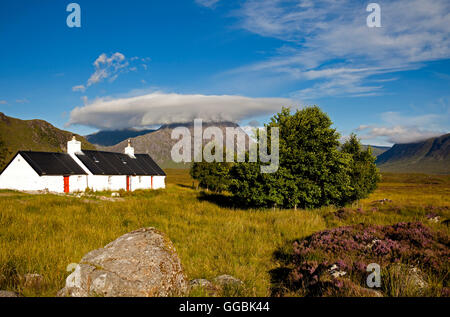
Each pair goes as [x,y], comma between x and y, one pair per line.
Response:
[141,263]
[204,284]
[225,279]
[32,280]
[410,278]
[8,294]
[200,282]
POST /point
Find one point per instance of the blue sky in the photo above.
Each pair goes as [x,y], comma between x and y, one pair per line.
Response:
[145,63]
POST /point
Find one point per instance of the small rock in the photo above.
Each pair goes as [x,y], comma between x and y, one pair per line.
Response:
[382,201]
[225,279]
[335,272]
[8,294]
[205,284]
[31,280]
[372,243]
[200,282]
[410,278]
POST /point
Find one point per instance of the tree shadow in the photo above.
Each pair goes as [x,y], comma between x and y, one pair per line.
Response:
[185,186]
[220,200]
[280,277]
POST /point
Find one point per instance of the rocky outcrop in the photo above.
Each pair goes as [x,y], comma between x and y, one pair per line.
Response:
[140,263]
[8,294]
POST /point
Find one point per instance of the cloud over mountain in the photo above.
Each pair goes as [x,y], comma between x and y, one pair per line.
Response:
[163,108]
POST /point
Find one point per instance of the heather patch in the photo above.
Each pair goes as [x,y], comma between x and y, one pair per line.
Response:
[333,262]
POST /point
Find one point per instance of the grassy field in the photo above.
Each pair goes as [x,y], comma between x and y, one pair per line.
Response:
[44,233]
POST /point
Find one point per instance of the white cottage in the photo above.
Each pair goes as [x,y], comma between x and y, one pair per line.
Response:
[79,169]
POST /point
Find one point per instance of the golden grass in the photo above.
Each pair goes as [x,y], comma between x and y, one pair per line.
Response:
[44,233]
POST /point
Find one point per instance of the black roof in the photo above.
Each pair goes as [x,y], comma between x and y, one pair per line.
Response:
[111,163]
[49,163]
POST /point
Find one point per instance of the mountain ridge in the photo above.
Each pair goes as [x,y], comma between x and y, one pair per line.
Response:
[158,144]
[430,156]
[35,135]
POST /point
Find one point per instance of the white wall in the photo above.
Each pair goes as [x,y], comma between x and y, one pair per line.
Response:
[19,175]
[78,183]
[104,182]
[159,182]
[141,182]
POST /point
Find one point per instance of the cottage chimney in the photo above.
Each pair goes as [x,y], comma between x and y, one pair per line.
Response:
[73,146]
[129,150]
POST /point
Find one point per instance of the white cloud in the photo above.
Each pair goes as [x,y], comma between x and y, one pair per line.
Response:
[163,108]
[3,102]
[24,100]
[207,3]
[81,88]
[110,67]
[398,128]
[400,134]
[329,41]
[107,67]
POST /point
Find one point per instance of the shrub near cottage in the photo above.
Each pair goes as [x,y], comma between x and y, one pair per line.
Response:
[313,171]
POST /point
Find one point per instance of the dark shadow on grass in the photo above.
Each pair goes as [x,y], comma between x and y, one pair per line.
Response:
[220,200]
[280,282]
[185,186]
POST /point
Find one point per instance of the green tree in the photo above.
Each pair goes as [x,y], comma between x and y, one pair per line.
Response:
[364,173]
[312,172]
[212,176]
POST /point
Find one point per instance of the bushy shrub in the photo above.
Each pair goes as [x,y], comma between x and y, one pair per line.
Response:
[363,171]
[212,176]
[313,171]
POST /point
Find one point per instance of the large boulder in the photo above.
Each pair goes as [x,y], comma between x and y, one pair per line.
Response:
[140,263]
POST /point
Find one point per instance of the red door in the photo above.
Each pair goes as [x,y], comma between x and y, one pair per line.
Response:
[66,184]
[128,183]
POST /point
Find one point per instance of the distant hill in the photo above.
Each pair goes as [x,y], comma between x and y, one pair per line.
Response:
[35,135]
[377,150]
[108,138]
[158,144]
[431,156]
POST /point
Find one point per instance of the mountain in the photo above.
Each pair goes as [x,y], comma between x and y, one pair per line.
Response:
[376,149]
[36,135]
[108,138]
[431,156]
[159,143]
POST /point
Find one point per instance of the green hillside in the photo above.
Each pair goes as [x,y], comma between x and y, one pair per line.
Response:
[35,135]
[431,156]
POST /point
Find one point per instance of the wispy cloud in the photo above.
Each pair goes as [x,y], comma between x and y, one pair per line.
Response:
[399,128]
[24,100]
[3,102]
[328,43]
[81,88]
[207,3]
[110,67]
[162,108]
